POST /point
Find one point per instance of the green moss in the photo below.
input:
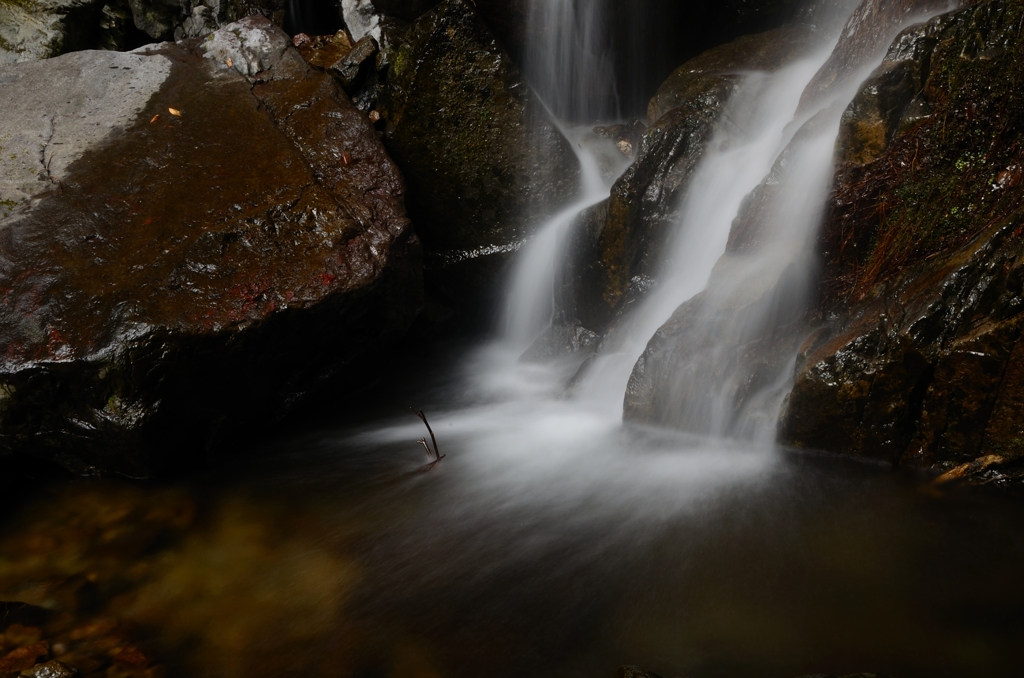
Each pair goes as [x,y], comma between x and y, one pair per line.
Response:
[939,184]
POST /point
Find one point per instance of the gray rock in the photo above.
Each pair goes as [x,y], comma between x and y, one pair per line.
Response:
[45,129]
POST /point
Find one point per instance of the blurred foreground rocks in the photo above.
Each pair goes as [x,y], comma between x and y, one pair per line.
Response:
[637,672]
[195,237]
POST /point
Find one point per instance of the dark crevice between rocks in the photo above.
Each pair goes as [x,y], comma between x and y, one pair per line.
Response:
[915,408]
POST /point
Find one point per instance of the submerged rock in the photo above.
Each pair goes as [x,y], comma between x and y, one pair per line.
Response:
[194,236]
[483,161]
[917,359]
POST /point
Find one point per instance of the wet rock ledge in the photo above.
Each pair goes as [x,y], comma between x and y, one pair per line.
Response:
[916,358]
[193,237]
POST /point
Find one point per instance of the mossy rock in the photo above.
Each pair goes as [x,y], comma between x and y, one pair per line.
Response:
[921,292]
[483,161]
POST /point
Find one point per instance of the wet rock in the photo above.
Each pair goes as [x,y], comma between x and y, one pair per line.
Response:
[916,356]
[51,669]
[625,136]
[868,31]
[194,237]
[323,51]
[483,162]
[410,10]
[883,107]
[352,68]
[766,51]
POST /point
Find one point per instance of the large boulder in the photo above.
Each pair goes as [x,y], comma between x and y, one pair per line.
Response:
[916,358]
[483,161]
[193,237]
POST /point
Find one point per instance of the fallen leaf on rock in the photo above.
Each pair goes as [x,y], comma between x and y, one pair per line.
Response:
[230,63]
[154,118]
[174,111]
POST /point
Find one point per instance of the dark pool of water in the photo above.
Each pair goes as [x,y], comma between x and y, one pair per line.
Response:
[549,542]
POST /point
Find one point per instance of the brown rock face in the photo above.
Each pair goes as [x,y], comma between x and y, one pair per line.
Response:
[201,267]
[918,361]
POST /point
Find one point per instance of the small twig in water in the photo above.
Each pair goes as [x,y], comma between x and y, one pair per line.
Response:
[434,454]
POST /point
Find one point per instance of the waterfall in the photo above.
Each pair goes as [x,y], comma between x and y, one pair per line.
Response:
[777,138]
[569,63]
[736,161]
[570,60]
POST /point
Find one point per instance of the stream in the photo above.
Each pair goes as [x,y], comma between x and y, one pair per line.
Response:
[548,542]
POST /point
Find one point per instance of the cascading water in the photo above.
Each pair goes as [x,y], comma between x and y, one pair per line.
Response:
[529,469]
[775,137]
[569,60]
[569,64]
[736,161]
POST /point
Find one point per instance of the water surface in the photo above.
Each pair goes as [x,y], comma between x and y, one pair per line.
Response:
[551,541]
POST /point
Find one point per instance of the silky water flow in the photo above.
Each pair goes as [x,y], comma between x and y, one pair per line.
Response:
[524,435]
